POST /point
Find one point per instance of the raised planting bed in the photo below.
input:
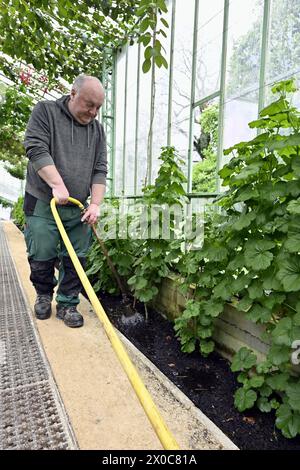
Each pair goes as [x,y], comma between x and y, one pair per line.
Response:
[208,382]
[232,329]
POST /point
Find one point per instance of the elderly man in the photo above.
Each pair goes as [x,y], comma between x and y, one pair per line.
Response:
[66,148]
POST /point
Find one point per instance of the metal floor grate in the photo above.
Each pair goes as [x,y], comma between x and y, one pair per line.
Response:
[32,415]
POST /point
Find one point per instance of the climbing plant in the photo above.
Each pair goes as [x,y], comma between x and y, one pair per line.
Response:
[155,255]
[251,257]
[139,256]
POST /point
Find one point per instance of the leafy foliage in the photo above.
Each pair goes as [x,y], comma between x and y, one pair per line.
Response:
[252,254]
[17,213]
[143,260]
[154,256]
[5,203]
[64,38]
[14,113]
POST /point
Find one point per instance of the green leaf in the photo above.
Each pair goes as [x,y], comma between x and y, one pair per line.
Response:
[259,314]
[237,262]
[243,221]
[276,107]
[204,333]
[293,393]
[272,300]
[265,390]
[269,280]
[156,251]
[289,273]
[164,22]
[296,165]
[244,399]
[213,308]
[278,381]
[144,25]
[247,193]
[279,354]
[244,304]
[223,290]
[243,359]
[216,253]
[242,378]
[264,405]
[140,284]
[282,332]
[296,318]
[257,255]
[240,283]
[288,86]
[206,347]
[146,65]
[288,421]
[255,289]
[256,381]
[293,207]
[189,346]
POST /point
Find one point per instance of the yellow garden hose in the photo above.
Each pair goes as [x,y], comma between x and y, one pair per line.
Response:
[163,433]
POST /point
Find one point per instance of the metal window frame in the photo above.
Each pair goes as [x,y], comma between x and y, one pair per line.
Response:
[193,104]
[171,62]
[218,93]
[264,54]
[107,113]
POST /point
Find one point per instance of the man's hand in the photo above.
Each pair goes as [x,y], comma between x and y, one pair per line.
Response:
[91,214]
[60,193]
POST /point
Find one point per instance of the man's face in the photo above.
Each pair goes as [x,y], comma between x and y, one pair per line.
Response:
[86,104]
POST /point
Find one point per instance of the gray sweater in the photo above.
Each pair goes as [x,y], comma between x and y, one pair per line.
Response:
[54,137]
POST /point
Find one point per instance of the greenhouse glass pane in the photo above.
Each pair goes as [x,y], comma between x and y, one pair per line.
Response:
[243,69]
[237,114]
[119,116]
[11,188]
[131,118]
[284,41]
[244,47]
[183,47]
[210,29]
[143,125]
[160,121]
[205,145]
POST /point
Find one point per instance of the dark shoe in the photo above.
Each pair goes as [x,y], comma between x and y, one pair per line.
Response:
[42,306]
[69,315]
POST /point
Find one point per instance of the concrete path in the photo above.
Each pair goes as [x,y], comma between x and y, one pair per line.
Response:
[99,400]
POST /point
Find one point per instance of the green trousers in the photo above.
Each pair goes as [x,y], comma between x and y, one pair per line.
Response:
[46,250]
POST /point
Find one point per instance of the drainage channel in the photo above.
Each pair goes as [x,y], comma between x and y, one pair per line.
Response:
[32,415]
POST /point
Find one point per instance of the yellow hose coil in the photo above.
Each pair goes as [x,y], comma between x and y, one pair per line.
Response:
[163,433]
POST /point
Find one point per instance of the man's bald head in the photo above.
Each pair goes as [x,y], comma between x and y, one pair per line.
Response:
[86,98]
[84,81]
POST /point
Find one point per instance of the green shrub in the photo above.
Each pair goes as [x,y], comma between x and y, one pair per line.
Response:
[17,213]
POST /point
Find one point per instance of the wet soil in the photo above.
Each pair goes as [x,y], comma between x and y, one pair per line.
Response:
[208,382]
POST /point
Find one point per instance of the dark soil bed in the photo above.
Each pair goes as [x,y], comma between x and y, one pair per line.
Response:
[208,382]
